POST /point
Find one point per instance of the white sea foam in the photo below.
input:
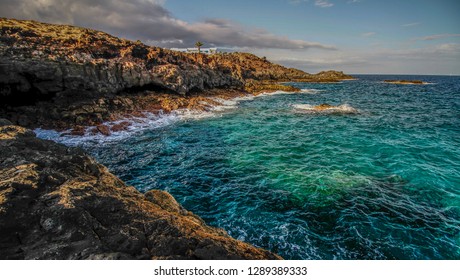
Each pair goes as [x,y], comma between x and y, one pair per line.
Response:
[343,108]
[311,90]
[226,104]
[153,121]
[304,107]
[278,92]
[136,124]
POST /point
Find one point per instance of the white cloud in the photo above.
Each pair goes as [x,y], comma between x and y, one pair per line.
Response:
[435,59]
[411,24]
[321,63]
[323,3]
[229,33]
[318,3]
[297,2]
[448,48]
[368,34]
[149,21]
[436,36]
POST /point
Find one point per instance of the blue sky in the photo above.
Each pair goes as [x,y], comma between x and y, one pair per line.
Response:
[355,36]
[370,36]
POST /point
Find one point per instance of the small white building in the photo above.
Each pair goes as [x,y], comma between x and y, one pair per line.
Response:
[195,50]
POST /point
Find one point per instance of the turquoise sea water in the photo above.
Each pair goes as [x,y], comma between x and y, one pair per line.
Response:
[380,184]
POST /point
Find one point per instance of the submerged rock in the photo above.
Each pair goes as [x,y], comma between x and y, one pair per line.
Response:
[326,108]
[323,107]
[58,203]
[405,82]
[103,129]
[4,122]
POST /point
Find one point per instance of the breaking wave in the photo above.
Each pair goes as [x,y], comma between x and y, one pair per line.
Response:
[152,121]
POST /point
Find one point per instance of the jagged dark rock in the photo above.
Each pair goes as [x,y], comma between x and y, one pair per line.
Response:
[58,203]
[4,122]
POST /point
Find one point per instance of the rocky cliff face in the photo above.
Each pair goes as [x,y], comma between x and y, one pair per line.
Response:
[58,76]
[42,59]
[251,68]
[58,203]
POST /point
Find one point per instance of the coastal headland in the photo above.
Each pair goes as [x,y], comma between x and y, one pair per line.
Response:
[57,202]
[61,77]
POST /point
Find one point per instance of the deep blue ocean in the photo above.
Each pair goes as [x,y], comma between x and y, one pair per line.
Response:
[383,183]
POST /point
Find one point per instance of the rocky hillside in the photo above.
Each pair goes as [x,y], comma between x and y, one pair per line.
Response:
[58,203]
[39,58]
[55,76]
[249,67]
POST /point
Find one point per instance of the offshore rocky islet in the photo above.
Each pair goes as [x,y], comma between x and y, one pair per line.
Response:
[405,82]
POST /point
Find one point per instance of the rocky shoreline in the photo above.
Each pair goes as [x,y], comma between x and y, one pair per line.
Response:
[61,77]
[57,202]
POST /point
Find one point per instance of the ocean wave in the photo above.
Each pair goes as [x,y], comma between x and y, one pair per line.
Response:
[279,92]
[311,90]
[326,108]
[135,125]
[140,124]
[152,121]
[225,104]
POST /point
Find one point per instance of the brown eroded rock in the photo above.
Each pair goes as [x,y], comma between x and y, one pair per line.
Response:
[324,106]
[257,87]
[103,129]
[405,82]
[9,132]
[326,109]
[120,126]
[78,131]
[58,203]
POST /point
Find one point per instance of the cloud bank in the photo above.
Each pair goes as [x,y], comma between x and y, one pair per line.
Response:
[323,3]
[368,34]
[437,36]
[149,21]
[411,24]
